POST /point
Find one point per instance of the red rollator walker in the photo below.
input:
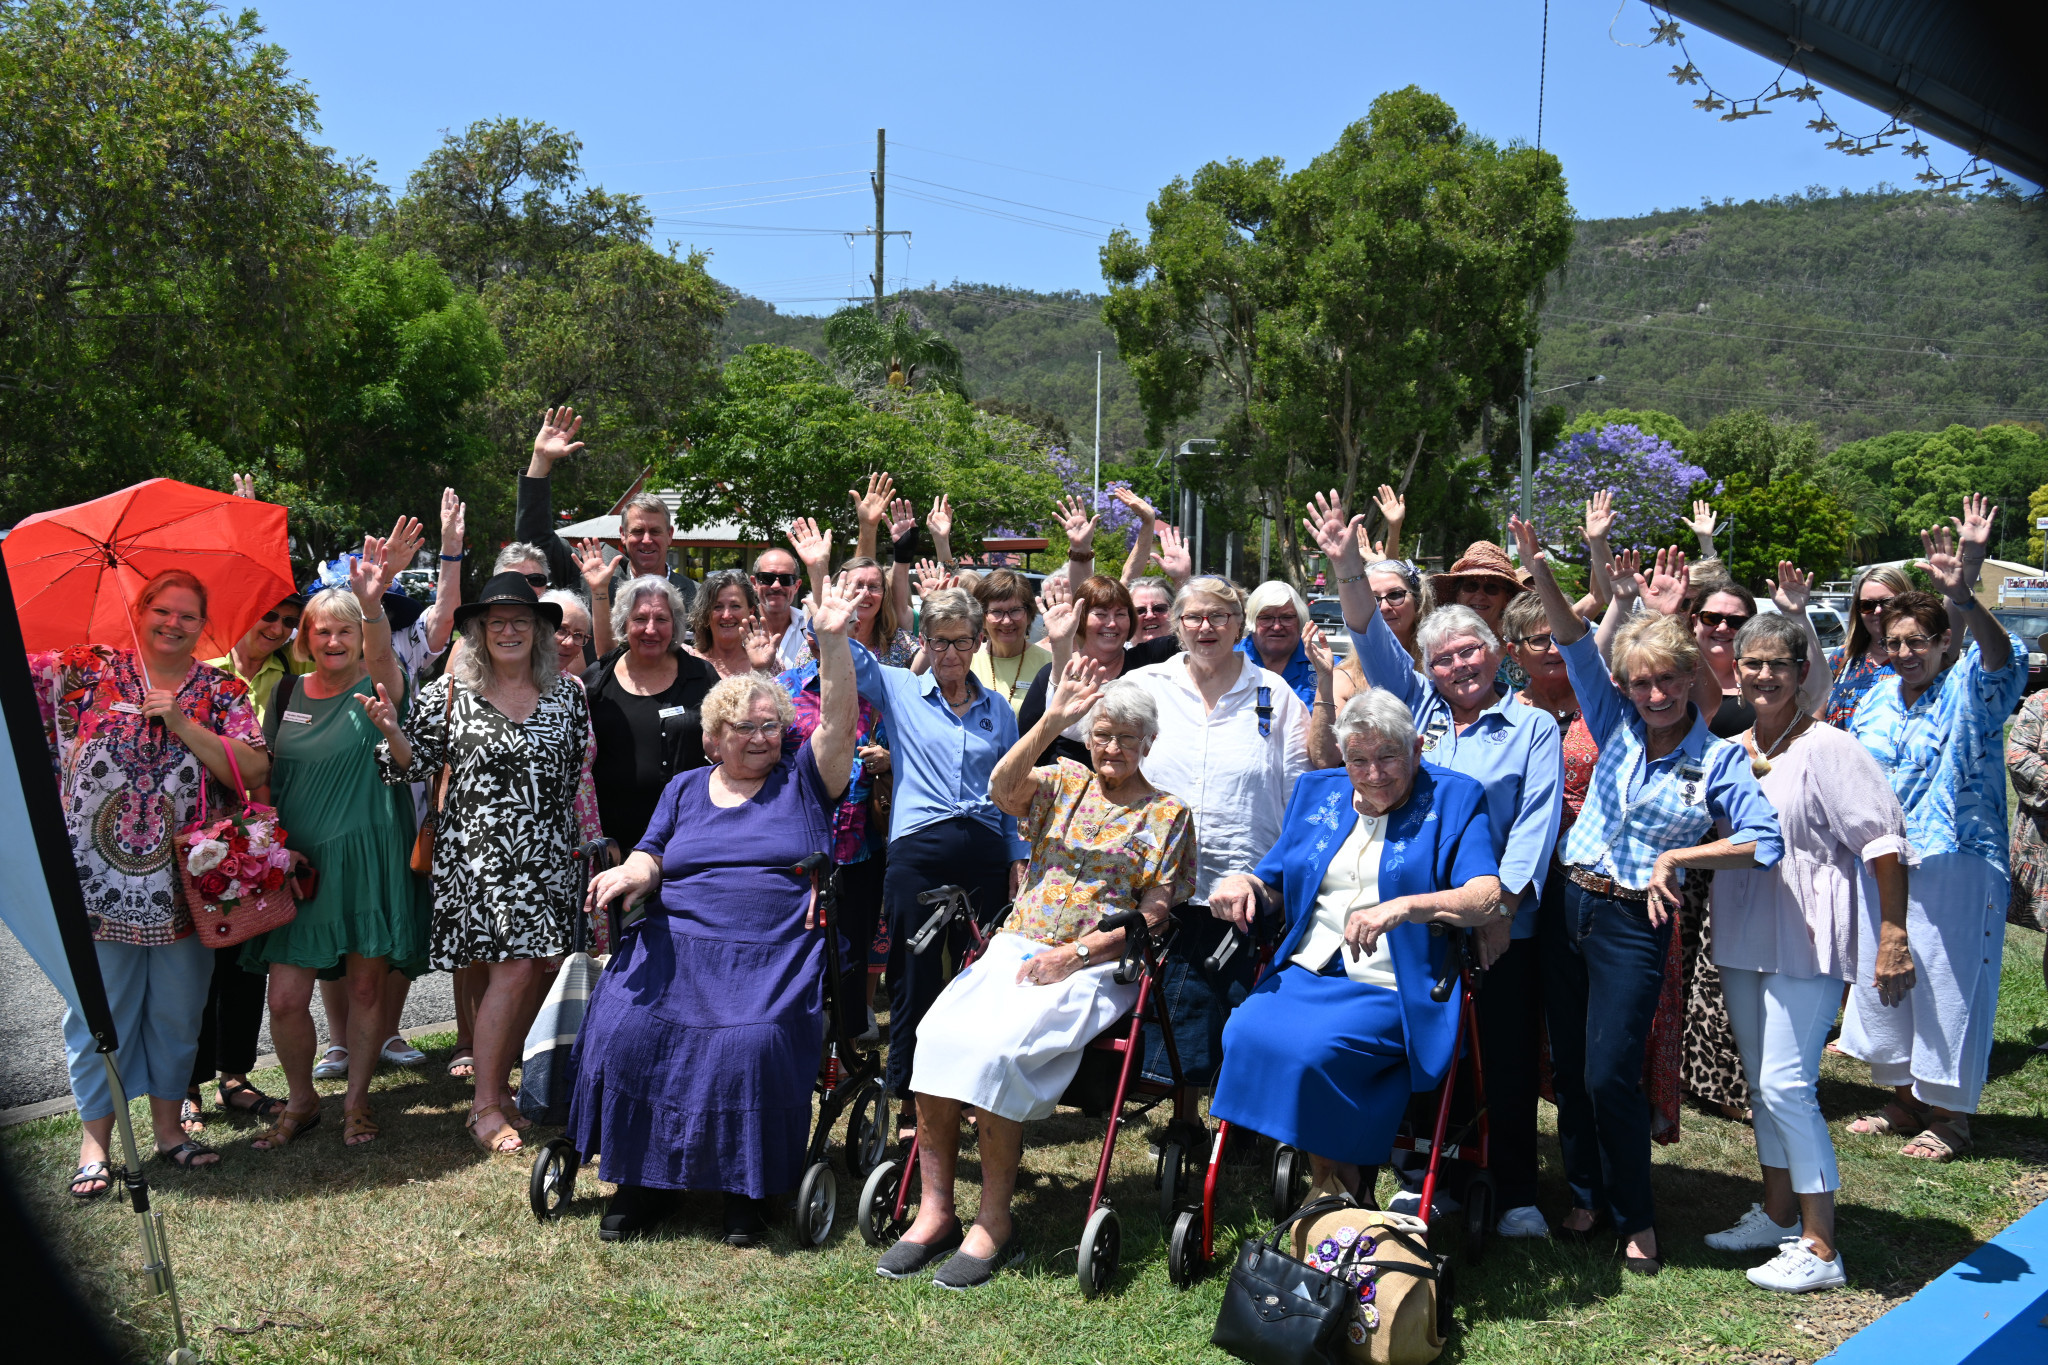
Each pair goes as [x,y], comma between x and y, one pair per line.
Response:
[1192,1245]
[1109,1078]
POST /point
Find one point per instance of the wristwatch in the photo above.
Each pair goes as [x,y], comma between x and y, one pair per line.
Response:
[1081,951]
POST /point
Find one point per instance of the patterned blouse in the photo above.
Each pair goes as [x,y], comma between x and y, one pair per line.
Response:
[1850,685]
[128,784]
[1091,857]
[850,842]
[1581,756]
[2026,763]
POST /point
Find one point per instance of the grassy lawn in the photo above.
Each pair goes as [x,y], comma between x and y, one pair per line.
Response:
[418,1248]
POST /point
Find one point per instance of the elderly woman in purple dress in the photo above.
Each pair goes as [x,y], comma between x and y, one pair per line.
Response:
[694,1067]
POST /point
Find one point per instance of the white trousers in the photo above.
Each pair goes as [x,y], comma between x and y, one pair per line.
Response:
[1781,1027]
[1939,1040]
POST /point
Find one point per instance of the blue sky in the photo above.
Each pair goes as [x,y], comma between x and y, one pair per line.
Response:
[731,119]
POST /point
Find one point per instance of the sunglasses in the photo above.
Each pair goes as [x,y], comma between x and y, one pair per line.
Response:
[1392,599]
[1866,605]
[538,580]
[776,580]
[1713,620]
[271,618]
[1153,611]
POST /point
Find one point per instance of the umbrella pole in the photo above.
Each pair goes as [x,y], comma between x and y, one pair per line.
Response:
[156,1250]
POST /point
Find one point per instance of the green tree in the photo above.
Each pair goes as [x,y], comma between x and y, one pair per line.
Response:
[1789,518]
[162,242]
[1756,444]
[2005,463]
[1647,420]
[898,352]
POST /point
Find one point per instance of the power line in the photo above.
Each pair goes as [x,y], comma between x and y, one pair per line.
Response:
[1118,189]
[1788,341]
[1757,281]
[768,200]
[1852,404]
[1000,200]
[726,156]
[1003,214]
[744,184]
[1945,347]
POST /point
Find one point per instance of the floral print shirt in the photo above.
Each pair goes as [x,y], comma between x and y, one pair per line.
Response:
[1091,857]
[128,784]
[850,822]
[1850,684]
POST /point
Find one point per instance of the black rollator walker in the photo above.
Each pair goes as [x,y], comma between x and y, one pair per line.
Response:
[889,1198]
[848,1076]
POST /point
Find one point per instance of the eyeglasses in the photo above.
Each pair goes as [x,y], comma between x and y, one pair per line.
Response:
[1866,605]
[1667,683]
[573,637]
[1276,620]
[1713,620]
[775,580]
[1471,653]
[271,618]
[183,618]
[1382,763]
[515,625]
[1486,587]
[1121,742]
[1777,668]
[1393,598]
[964,645]
[1542,644]
[1012,613]
[1160,610]
[747,729]
[1908,644]
[538,580]
[1197,620]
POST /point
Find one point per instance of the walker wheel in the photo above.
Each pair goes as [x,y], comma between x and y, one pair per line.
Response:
[817,1205]
[877,1201]
[1184,1250]
[1446,1300]
[1480,1200]
[1173,1165]
[1101,1247]
[867,1131]
[1290,1181]
[553,1183]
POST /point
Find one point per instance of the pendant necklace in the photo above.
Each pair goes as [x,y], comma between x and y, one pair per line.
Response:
[1761,763]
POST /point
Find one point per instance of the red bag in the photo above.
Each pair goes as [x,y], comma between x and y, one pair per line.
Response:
[242,887]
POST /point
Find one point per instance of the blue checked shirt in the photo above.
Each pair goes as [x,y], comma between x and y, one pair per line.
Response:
[1513,751]
[1636,810]
[1945,754]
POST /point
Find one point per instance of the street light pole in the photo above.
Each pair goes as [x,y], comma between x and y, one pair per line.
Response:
[1098,431]
[1527,403]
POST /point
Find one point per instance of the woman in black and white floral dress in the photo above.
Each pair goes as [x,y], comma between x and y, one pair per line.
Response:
[515,731]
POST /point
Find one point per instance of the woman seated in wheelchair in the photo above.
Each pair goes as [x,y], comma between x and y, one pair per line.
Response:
[1005,1036]
[1325,1051]
[695,1064]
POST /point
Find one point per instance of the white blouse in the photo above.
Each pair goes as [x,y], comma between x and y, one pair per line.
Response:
[1351,884]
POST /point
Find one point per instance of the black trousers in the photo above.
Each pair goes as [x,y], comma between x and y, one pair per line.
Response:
[956,852]
[232,1020]
[858,903]
[1509,1011]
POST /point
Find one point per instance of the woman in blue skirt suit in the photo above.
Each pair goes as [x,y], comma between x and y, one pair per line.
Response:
[1324,1054]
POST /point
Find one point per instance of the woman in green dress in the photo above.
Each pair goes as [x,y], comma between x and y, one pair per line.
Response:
[368,913]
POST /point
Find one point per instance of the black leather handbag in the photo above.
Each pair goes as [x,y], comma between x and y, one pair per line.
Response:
[1280,1311]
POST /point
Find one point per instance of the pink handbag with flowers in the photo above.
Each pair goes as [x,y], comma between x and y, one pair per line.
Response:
[234,869]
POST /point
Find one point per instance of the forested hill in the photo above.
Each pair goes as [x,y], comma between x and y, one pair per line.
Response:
[1865,313]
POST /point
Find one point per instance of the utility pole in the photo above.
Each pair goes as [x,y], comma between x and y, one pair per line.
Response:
[1528,416]
[1098,431]
[881,233]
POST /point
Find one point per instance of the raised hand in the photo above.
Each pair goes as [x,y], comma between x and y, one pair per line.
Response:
[1526,543]
[556,439]
[1703,520]
[590,563]
[833,608]
[405,540]
[381,712]
[902,518]
[1373,550]
[932,577]
[1944,563]
[1393,507]
[1626,575]
[812,546]
[1337,534]
[939,521]
[1059,614]
[242,485]
[454,522]
[1600,516]
[1079,526]
[1791,588]
[1172,556]
[1973,531]
[1668,582]
[872,506]
[1320,656]
[1080,685]
[367,573]
[1141,509]
[760,645]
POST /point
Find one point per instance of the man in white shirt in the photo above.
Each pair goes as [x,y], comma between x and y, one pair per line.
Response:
[776,575]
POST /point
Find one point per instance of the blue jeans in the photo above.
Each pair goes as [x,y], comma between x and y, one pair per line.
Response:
[1603,967]
[1198,1001]
[157,995]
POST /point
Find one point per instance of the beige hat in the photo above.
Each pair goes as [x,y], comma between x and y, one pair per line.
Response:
[1482,560]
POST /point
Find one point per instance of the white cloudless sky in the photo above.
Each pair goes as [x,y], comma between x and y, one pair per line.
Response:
[731,119]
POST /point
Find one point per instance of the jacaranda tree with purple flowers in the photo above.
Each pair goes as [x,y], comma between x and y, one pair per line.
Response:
[1652,482]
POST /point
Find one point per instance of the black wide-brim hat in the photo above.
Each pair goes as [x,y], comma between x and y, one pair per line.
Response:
[507,589]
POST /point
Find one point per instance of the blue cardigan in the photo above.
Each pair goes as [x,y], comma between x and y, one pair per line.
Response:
[1437,840]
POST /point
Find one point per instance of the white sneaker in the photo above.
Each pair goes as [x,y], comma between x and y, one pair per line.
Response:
[398,1052]
[1755,1231]
[1796,1270]
[1526,1221]
[332,1064]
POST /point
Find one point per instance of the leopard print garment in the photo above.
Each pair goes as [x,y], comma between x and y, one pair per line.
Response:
[1713,1066]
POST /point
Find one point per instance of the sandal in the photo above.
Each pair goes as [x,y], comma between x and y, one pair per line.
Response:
[462,1065]
[189,1155]
[289,1128]
[494,1144]
[1942,1140]
[261,1105]
[189,1117]
[92,1173]
[1894,1120]
[333,1063]
[358,1127]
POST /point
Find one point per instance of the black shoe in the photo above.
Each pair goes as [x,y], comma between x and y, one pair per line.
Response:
[962,1271]
[1581,1236]
[633,1210]
[906,1259]
[743,1225]
[1642,1265]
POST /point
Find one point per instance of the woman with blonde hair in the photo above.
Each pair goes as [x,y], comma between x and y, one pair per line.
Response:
[1860,662]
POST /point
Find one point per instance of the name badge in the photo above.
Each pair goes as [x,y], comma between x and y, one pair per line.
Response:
[299,717]
[665,712]
[126,708]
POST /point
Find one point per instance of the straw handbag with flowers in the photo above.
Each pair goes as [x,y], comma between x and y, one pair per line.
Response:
[234,868]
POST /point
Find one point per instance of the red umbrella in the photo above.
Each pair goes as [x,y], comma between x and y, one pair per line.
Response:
[76,571]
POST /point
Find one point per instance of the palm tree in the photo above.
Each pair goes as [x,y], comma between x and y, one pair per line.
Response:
[897,352]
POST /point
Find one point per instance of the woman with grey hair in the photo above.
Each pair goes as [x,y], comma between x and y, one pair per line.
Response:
[726,628]
[1275,616]
[1325,1053]
[1005,1037]
[1470,722]
[511,727]
[645,695]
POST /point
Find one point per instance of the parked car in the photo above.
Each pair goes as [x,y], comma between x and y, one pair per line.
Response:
[419,584]
[2030,626]
[1828,623]
[1328,614]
